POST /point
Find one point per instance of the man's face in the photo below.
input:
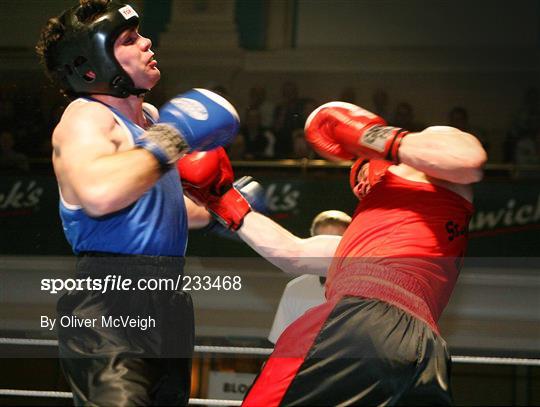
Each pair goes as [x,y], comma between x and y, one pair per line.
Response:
[133,53]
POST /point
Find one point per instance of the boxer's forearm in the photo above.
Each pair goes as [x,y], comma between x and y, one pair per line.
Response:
[198,216]
[445,153]
[111,183]
[286,251]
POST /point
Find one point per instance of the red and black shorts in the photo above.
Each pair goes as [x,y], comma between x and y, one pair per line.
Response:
[355,351]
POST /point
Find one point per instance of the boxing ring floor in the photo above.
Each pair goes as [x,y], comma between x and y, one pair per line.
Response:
[491,326]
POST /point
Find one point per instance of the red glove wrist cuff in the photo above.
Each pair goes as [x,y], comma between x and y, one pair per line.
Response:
[394,147]
[230,209]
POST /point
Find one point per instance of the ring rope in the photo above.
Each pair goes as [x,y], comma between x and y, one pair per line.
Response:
[68,395]
[237,350]
[233,349]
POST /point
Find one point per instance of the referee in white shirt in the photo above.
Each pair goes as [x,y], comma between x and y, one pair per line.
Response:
[307,291]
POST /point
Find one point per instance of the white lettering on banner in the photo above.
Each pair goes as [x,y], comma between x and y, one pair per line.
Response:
[20,197]
[510,215]
[229,385]
[284,199]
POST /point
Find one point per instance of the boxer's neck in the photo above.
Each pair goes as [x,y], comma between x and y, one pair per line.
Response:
[131,106]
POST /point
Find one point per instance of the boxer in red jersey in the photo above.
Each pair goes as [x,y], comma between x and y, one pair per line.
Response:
[376,340]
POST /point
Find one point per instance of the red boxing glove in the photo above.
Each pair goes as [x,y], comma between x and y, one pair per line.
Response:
[343,131]
[207,178]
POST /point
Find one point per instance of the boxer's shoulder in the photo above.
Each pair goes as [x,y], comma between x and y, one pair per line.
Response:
[81,116]
[82,111]
[411,174]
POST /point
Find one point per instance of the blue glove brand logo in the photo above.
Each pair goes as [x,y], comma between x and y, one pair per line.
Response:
[192,108]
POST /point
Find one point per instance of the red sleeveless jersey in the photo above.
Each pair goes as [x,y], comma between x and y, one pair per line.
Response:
[404,246]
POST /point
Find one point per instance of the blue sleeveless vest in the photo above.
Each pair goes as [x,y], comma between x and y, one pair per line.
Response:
[156,224]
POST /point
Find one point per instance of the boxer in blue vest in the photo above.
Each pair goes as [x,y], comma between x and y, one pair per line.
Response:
[122,205]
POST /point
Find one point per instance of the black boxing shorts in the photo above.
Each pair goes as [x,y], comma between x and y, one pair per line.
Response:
[122,345]
[355,351]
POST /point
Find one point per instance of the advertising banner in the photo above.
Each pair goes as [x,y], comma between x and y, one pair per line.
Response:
[506,222]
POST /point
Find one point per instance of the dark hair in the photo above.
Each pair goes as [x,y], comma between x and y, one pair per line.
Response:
[53,32]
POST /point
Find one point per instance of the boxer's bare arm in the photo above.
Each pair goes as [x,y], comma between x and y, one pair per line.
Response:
[198,216]
[286,251]
[91,170]
[444,153]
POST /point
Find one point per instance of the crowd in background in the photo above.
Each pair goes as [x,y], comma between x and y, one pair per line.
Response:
[274,130]
[271,129]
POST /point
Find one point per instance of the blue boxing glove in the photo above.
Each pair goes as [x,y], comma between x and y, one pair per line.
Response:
[196,120]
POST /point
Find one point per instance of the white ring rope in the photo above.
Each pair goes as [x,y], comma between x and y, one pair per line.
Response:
[214,402]
[36,393]
[226,350]
[28,342]
[485,360]
[492,360]
[237,350]
[233,349]
[68,395]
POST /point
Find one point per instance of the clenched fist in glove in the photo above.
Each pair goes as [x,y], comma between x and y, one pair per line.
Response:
[343,131]
[196,120]
[207,178]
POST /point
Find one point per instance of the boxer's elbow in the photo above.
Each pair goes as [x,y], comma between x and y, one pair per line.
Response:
[473,165]
[98,201]
[472,176]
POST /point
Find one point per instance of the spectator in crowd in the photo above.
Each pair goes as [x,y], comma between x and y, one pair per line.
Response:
[258,141]
[521,144]
[258,101]
[348,94]
[11,161]
[404,118]
[301,148]
[7,112]
[287,118]
[236,149]
[380,103]
[458,117]
[527,150]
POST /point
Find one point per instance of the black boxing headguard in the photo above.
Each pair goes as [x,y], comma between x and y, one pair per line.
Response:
[89,47]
